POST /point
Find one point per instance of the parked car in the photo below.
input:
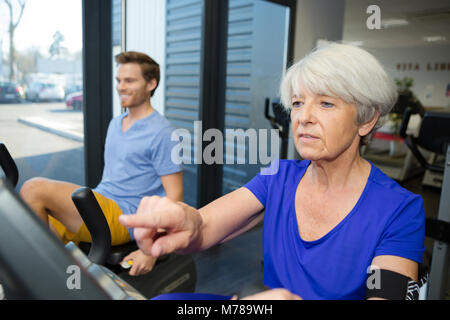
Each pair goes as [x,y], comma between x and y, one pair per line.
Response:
[38,91]
[72,88]
[32,92]
[75,100]
[11,92]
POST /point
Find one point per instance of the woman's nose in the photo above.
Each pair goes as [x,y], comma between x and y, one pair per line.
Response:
[306,114]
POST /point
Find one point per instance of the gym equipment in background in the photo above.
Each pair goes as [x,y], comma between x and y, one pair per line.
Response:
[434,136]
[397,161]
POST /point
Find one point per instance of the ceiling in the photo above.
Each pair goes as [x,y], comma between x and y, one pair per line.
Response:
[426,18]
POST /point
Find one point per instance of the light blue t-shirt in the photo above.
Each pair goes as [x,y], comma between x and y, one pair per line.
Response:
[136,159]
[386,220]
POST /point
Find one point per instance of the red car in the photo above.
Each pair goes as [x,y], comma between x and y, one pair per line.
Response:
[75,100]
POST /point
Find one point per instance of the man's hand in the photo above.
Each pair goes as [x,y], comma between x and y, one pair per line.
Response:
[142,263]
[180,222]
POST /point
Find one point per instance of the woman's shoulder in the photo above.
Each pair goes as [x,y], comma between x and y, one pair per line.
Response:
[388,186]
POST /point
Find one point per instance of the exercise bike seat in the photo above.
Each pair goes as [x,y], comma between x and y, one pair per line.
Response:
[171,272]
[116,253]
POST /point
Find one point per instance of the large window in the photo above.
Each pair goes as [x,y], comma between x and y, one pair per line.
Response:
[256,60]
[182,81]
[41,83]
[187,52]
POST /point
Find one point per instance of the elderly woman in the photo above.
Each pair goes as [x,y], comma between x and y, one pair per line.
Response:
[335,226]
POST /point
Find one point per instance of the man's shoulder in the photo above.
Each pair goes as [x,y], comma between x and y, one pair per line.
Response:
[117,119]
[159,124]
[161,120]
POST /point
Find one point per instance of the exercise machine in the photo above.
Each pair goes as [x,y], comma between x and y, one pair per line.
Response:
[35,265]
[170,273]
[395,162]
[434,136]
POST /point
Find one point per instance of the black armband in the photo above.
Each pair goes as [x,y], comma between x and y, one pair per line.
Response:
[390,285]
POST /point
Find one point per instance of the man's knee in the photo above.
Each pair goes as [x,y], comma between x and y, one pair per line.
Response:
[34,189]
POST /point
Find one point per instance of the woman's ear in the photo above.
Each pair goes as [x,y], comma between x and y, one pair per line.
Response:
[367,127]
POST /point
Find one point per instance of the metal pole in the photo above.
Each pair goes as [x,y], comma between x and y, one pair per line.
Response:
[440,260]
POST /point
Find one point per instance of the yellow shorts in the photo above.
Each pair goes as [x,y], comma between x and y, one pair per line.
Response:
[119,234]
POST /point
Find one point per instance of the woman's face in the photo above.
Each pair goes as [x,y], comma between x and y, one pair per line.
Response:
[323,127]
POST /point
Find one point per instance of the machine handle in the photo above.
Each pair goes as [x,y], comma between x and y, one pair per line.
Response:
[267,115]
[411,142]
[92,215]
[8,165]
[405,122]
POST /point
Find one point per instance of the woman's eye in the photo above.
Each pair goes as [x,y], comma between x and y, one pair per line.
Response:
[327,104]
[296,104]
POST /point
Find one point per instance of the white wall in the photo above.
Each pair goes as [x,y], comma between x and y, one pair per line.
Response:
[430,86]
[318,19]
[145,32]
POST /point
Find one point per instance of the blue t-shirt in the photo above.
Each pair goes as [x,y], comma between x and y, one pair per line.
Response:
[136,159]
[386,220]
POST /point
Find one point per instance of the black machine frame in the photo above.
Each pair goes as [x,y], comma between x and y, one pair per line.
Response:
[24,238]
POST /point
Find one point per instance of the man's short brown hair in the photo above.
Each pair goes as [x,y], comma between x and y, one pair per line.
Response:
[149,67]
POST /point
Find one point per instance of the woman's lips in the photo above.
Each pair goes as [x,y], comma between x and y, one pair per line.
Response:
[307,136]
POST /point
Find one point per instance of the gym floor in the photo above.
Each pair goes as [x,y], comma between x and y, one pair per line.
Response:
[229,267]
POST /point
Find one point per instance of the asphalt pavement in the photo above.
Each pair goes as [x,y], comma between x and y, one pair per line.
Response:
[45,139]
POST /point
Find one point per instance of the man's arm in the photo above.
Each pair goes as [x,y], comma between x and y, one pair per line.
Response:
[173,185]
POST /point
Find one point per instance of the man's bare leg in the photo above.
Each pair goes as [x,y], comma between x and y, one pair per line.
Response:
[52,228]
[51,197]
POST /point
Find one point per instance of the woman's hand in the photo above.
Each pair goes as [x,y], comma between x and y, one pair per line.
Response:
[142,263]
[273,294]
[181,225]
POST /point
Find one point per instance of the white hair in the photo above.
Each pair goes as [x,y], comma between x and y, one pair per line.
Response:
[346,72]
